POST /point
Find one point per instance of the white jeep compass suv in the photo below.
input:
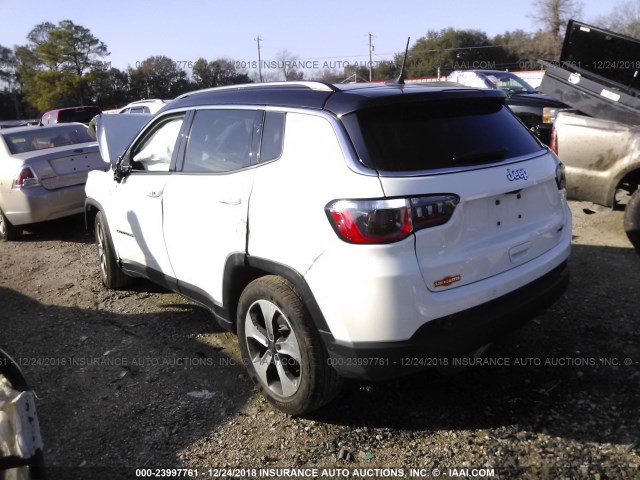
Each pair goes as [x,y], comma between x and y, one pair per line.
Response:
[341,231]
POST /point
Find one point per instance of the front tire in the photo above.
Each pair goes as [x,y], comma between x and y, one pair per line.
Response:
[632,220]
[282,349]
[8,232]
[110,272]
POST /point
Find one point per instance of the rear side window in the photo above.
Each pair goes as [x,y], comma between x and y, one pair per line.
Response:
[272,136]
[220,141]
[46,137]
[435,135]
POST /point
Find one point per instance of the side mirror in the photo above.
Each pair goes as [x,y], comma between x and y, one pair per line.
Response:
[122,168]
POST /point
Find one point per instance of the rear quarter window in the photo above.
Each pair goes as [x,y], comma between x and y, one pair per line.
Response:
[437,135]
[83,115]
[272,136]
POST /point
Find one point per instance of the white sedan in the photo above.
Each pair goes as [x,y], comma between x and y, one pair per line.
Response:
[43,170]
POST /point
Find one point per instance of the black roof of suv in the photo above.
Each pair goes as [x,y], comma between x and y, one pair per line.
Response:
[338,100]
[436,113]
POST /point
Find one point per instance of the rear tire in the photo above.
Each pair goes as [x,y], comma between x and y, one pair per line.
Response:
[112,275]
[282,349]
[632,220]
[8,232]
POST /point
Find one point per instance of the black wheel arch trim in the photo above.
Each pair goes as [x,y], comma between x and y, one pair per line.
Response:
[257,267]
[90,225]
[89,204]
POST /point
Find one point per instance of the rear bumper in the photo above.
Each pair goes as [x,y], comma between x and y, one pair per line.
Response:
[450,336]
[37,204]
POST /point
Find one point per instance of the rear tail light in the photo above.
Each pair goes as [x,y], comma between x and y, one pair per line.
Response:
[553,143]
[26,178]
[549,114]
[388,220]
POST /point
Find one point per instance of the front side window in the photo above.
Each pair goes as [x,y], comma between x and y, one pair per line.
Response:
[155,151]
[220,141]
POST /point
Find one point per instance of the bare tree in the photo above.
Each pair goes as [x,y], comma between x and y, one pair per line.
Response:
[553,15]
[287,63]
[624,18]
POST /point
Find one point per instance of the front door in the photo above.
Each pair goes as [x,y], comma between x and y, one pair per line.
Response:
[139,220]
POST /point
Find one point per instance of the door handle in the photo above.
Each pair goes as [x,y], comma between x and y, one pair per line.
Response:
[231,201]
[154,193]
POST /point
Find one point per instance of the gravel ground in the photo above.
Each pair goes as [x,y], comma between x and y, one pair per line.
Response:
[144,379]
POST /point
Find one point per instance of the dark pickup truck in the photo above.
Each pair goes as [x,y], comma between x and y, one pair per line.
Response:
[598,75]
[534,109]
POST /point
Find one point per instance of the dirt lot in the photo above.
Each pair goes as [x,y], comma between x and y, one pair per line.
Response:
[145,379]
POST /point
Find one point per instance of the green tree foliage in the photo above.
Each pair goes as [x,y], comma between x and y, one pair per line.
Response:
[111,88]
[7,66]
[7,96]
[157,77]
[216,73]
[523,49]
[12,102]
[56,66]
[387,69]
[449,49]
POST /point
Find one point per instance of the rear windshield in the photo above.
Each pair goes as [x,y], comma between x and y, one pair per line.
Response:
[83,115]
[435,135]
[39,138]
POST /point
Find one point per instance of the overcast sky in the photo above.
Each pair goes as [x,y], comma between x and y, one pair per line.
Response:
[324,31]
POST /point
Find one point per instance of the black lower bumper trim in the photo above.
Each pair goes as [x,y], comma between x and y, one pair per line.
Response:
[450,336]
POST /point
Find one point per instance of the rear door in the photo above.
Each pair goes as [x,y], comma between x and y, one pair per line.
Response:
[206,201]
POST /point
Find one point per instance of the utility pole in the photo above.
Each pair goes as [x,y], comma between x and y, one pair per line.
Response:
[257,39]
[370,58]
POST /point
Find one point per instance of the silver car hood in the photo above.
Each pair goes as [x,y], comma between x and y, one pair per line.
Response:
[115,132]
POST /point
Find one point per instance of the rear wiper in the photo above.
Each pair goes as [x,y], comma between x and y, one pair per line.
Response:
[481,156]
